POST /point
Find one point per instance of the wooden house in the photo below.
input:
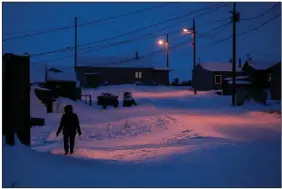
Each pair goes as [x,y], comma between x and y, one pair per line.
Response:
[210,76]
[265,75]
[92,72]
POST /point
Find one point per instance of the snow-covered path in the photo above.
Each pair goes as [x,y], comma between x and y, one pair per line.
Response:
[171,139]
[167,121]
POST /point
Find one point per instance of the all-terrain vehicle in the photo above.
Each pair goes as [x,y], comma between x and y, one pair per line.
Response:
[128,100]
[107,99]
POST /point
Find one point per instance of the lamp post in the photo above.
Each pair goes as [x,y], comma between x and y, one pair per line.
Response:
[162,42]
[193,33]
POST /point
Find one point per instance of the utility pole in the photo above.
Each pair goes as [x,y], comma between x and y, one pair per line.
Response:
[194,52]
[235,18]
[167,64]
[75,45]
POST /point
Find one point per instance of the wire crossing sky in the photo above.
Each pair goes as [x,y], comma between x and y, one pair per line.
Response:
[121,29]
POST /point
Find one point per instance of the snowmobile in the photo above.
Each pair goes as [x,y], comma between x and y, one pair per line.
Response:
[107,99]
[128,100]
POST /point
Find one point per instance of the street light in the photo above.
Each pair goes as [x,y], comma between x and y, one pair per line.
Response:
[192,31]
[161,42]
[187,31]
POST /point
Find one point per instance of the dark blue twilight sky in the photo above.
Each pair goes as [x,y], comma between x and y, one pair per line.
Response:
[262,44]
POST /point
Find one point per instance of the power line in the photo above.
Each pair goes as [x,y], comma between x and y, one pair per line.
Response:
[217,30]
[114,44]
[134,31]
[218,42]
[150,26]
[253,29]
[213,22]
[122,42]
[150,54]
[262,14]
[140,29]
[39,33]
[209,11]
[88,23]
[243,33]
[51,60]
[147,55]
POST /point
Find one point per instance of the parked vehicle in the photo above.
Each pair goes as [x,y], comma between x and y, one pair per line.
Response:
[107,99]
[128,100]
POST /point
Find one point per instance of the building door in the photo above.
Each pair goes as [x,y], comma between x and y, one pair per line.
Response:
[93,80]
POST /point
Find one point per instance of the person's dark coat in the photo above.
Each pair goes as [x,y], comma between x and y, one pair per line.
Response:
[69,123]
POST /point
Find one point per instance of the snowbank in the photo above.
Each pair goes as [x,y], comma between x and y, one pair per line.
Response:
[37,109]
[221,166]
[173,138]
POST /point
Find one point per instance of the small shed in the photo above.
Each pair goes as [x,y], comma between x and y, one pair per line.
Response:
[265,74]
[210,76]
[62,83]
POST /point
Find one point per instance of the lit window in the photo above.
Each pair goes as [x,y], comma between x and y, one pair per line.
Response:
[218,79]
[138,75]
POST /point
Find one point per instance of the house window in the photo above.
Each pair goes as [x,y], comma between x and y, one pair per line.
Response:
[269,78]
[138,75]
[218,79]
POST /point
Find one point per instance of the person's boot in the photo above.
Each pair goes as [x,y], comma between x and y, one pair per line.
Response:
[66,152]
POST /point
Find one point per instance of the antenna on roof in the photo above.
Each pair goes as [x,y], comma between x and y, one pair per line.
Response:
[136,56]
[230,61]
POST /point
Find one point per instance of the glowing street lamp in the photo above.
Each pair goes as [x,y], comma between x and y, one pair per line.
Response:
[187,31]
[162,42]
[192,31]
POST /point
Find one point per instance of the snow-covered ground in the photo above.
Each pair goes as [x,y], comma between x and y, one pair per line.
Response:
[173,138]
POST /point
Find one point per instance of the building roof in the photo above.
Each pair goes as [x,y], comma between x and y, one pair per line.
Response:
[162,69]
[61,76]
[262,64]
[118,62]
[219,67]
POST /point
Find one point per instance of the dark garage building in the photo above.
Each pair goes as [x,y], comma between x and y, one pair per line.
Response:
[265,75]
[210,76]
[62,83]
[16,98]
[94,72]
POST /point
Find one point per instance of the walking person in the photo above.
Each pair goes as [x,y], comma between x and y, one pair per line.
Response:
[70,125]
